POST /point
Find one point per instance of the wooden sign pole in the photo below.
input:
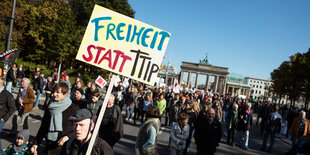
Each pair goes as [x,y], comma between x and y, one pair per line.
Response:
[100,117]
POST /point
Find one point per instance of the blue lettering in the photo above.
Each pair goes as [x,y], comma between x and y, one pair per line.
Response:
[138,34]
[128,32]
[154,40]
[109,31]
[144,36]
[163,37]
[118,31]
[97,26]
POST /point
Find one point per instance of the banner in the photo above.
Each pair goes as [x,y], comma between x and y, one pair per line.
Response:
[9,56]
[123,45]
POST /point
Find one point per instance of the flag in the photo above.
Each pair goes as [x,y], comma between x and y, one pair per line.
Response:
[117,80]
[9,56]
[126,83]
[176,88]
[100,81]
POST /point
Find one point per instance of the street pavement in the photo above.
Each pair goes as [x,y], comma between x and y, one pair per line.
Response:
[126,145]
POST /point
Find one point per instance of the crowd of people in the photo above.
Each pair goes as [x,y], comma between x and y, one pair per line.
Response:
[71,111]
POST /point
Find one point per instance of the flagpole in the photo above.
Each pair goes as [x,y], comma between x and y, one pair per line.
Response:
[8,43]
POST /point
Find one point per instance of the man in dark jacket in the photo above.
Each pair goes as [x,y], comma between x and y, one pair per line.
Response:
[7,107]
[111,128]
[266,113]
[290,119]
[82,127]
[10,77]
[208,133]
[273,127]
[38,87]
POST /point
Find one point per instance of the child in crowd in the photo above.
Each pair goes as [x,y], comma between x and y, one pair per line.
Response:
[21,146]
[179,133]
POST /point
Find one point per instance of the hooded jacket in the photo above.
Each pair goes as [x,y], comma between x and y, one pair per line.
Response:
[21,149]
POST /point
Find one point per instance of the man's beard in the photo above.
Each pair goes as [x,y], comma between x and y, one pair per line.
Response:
[210,120]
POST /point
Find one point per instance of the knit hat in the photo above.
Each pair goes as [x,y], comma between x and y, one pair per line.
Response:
[80,90]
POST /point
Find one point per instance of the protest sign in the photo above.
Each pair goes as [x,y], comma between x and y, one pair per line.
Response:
[100,81]
[123,45]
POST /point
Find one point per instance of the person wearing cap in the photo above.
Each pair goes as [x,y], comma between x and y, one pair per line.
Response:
[56,126]
[79,100]
[82,127]
[111,127]
[21,145]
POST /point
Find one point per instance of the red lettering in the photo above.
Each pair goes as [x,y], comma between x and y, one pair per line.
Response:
[107,56]
[98,53]
[125,58]
[89,53]
[118,53]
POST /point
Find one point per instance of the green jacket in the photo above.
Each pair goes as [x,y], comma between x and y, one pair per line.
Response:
[161,105]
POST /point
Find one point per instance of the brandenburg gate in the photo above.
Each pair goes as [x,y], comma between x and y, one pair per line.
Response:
[204,68]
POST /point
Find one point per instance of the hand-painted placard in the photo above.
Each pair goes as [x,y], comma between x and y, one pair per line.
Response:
[123,45]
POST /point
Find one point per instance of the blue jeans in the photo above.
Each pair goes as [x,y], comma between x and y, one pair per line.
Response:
[129,112]
[224,115]
[272,139]
[2,123]
[18,83]
[9,86]
[36,103]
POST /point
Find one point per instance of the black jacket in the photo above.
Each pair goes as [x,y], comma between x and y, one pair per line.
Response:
[245,122]
[75,147]
[10,76]
[82,103]
[67,126]
[111,127]
[7,105]
[38,84]
[20,74]
[50,86]
[207,136]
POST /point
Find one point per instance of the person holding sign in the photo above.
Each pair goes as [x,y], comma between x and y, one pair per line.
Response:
[111,127]
[82,127]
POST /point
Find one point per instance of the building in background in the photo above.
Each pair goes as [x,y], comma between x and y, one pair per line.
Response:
[236,86]
[259,88]
[168,74]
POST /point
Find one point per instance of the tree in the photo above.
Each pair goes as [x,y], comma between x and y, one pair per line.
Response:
[52,33]
[83,9]
[292,78]
[19,24]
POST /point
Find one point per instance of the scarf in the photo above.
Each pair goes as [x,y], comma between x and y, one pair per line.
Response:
[25,134]
[1,89]
[22,93]
[235,114]
[56,109]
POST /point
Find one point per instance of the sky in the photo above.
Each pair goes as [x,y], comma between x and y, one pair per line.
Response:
[250,37]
